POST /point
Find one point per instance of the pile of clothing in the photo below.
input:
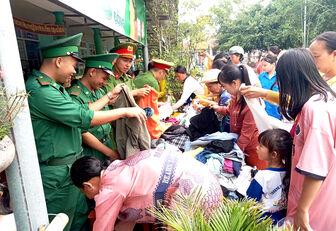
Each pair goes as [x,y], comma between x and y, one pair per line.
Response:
[224,158]
[175,135]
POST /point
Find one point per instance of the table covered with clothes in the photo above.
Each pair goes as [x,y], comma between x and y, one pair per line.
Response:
[199,135]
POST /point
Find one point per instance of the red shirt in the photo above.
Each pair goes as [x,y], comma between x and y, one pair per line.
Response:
[242,124]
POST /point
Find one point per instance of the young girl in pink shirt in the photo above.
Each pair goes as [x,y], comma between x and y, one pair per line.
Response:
[306,98]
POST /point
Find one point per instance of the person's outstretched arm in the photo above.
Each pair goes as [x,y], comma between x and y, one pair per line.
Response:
[104,117]
[100,103]
[188,89]
[256,92]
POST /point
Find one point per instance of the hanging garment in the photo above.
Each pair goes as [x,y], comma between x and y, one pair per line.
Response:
[153,124]
[131,135]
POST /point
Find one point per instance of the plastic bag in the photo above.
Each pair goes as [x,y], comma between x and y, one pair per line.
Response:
[262,119]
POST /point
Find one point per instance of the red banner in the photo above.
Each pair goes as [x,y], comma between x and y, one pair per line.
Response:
[39,28]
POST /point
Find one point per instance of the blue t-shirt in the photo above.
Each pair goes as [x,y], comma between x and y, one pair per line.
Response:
[224,98]
[267,83]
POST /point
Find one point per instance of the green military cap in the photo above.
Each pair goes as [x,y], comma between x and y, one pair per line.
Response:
[103,61]
[125,49]
[162,64]
[63,47]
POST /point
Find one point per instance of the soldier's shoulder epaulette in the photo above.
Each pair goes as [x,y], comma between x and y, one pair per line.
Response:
[76,90]
[43,80]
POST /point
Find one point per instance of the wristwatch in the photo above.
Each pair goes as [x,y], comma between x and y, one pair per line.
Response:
[109,95]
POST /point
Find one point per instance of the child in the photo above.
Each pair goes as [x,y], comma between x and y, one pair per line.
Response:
[270,186]
[7,221]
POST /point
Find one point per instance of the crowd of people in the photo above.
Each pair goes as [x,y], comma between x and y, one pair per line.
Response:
[104,138]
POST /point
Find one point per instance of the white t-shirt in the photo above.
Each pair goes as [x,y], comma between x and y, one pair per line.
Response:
[7,222]
[190,86]
[267,187]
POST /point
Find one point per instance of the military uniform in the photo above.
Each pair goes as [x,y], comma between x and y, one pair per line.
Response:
[124,50]
[149,79]
[118,78]
[83,96]
[146,78]
[57,122]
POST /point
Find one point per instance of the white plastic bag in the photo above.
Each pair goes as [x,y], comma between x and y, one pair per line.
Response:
[262,119]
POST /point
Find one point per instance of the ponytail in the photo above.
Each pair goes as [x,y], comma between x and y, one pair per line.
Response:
[245,79]
[232,72]
[245,76]
[85,169]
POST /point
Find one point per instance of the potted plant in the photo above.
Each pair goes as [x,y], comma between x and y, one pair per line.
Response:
[10,106]
[231,215]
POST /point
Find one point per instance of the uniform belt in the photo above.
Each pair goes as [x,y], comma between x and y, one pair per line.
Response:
[104,139]
[64,160]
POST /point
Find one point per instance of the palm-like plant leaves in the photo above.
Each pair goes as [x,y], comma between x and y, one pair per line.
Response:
[188,213]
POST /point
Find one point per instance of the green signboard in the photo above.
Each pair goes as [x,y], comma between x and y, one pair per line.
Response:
[127,17]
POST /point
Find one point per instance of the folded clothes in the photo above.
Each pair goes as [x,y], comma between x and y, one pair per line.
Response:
[214,165]
[236,154]
[174,130]
[194,152]
[173,121]
[218,146]
[204,123]
[240,183]
[203,141]
[236,167]
[228,165]
[178,140]
[204,155]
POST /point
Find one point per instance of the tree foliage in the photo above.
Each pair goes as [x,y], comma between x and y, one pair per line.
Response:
[278,23]
[173,40]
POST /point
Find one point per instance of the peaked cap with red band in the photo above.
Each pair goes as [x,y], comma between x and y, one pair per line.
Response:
[125,49]
[159,63]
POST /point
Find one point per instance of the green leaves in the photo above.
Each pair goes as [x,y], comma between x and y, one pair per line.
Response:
[279,23]
[186,213]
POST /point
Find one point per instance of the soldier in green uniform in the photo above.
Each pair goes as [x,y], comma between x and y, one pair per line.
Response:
[57,122]
[152,77]
[88,93]
[121,66]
